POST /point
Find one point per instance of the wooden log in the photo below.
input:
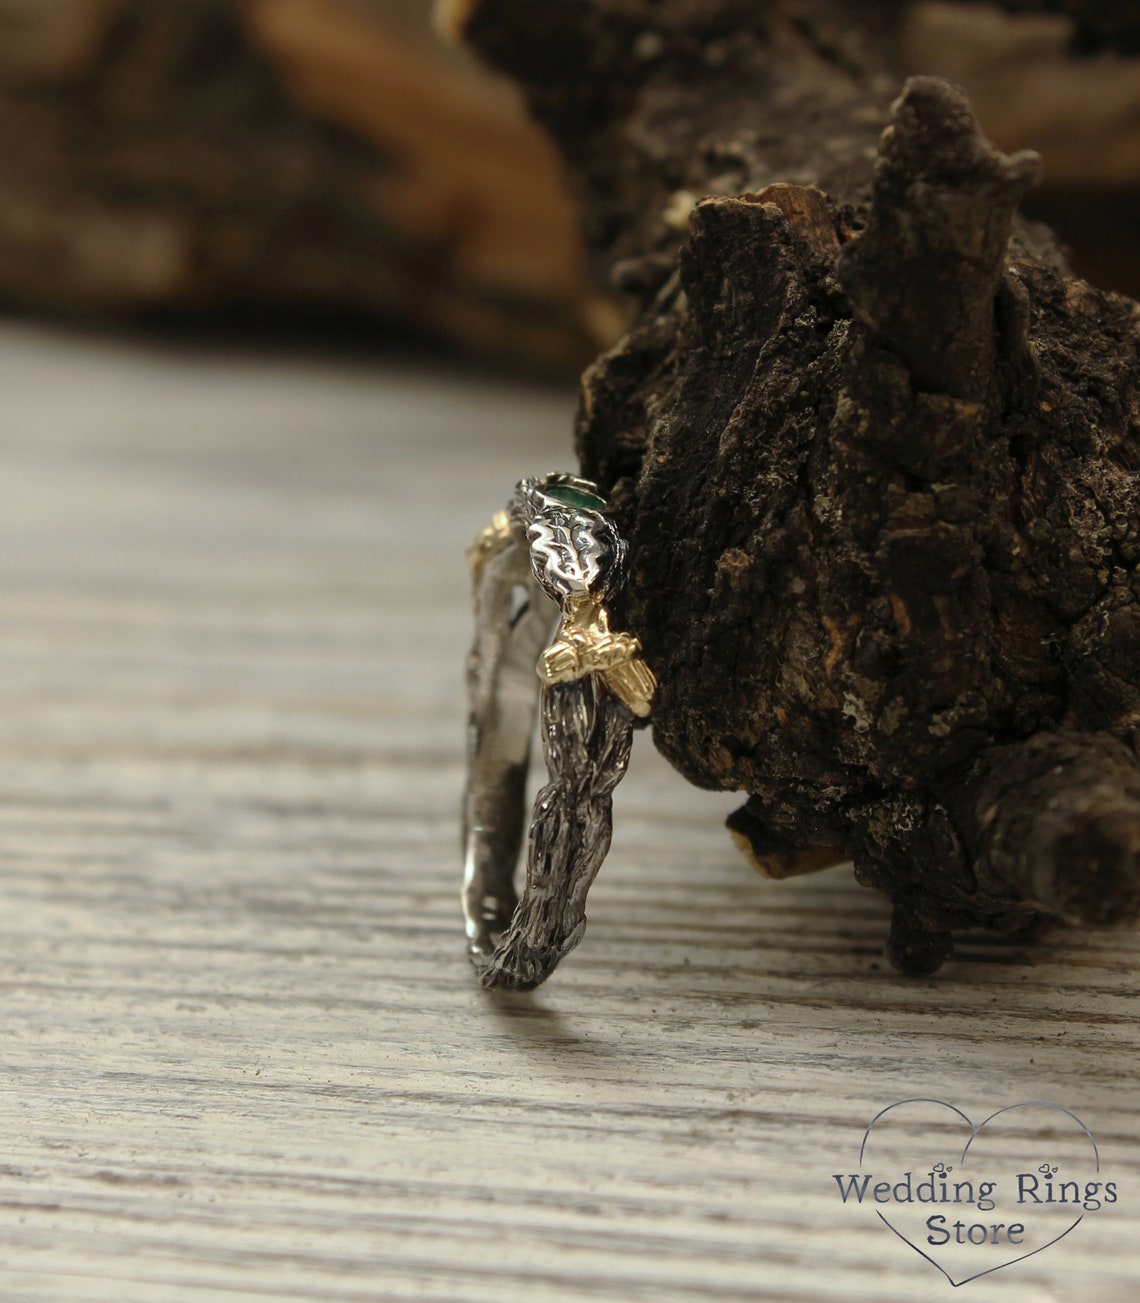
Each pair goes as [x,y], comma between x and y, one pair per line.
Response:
[875,446]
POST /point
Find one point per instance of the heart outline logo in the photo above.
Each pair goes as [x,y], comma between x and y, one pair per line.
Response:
[975,1130]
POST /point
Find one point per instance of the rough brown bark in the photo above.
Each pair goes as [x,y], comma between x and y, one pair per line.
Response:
[876,448]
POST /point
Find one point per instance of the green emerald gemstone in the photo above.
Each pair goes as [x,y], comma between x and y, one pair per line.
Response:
[572,497]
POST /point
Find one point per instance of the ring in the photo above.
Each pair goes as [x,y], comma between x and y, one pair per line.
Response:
[551,561]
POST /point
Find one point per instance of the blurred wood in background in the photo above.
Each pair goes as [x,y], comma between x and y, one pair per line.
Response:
[301,156]
[1035,85]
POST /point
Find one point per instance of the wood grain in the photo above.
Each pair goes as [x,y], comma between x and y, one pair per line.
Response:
[243,1055]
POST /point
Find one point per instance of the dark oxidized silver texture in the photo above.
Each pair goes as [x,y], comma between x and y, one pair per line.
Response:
[551,560]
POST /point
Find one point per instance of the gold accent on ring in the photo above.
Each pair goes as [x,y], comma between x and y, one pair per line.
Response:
[586,645]
[487,542]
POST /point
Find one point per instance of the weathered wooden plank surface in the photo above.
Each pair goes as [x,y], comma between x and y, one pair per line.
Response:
[242,1054]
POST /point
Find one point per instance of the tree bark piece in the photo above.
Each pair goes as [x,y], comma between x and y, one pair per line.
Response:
[875,447]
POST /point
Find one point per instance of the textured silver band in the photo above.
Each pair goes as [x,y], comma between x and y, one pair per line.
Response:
[556,555]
